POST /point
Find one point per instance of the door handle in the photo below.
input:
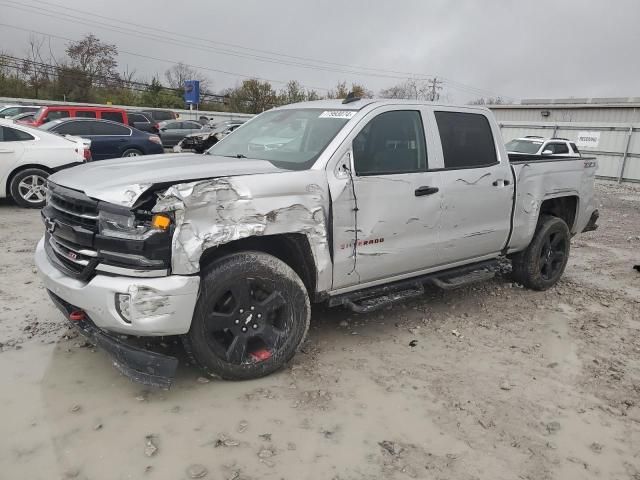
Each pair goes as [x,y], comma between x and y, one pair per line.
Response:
[422,191]
[501,183]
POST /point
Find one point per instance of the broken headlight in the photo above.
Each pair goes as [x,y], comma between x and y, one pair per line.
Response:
[128,226]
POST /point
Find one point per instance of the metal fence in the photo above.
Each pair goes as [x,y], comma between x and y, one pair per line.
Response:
[615,145]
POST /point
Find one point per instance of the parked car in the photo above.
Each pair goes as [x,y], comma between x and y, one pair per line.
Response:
[205,139]
[370,201]
[28,156]
[161,115]
[11,110]
[172,131]
[108,139]
[23,117]
[56,112]
[142,121]
[533,145]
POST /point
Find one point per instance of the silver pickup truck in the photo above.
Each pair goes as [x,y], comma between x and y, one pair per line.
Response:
[358,203]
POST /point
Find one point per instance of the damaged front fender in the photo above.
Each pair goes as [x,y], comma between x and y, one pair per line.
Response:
[213,212]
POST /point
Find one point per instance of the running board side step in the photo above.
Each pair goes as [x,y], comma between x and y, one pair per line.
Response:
[371,299]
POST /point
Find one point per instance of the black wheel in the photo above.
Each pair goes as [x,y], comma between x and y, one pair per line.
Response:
[252,314]
[542,264]
[28,187]
[132,152]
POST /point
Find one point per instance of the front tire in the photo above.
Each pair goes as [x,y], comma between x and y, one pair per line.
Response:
[28,187]
[542,264]
[251,316]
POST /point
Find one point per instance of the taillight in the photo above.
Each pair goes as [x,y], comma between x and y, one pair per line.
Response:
[87,155]
[156,127]
[155,139]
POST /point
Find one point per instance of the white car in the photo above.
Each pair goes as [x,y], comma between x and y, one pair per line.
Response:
[7,111]
[533,145]
[29,155]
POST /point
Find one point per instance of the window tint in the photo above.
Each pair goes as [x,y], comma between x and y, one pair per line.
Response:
[12,135]
[557,148]
[113,116]
[85,114]
[575,147]
[173,126]
[104,128]
[191,125]
[73,128]
[56,114]
[393,142]
[467,141]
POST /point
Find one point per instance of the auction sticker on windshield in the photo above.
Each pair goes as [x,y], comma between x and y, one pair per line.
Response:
[338,114]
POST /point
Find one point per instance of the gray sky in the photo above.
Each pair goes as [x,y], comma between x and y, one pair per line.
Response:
[517,49]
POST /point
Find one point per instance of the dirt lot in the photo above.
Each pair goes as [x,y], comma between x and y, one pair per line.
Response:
[502,383]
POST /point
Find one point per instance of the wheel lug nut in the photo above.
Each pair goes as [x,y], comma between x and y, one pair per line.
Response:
[255,325]
[241,310]
[236,322]
[259,315]
[244,329]
[253,308]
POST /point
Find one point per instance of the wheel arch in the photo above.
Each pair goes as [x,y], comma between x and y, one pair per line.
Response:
[294,249]
[565,208]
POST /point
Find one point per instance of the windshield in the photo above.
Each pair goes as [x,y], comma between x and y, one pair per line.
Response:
[523,146]
[50,125]
[292,139]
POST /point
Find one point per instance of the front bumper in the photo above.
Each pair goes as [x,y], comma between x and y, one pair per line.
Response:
[142,366]
[158,306]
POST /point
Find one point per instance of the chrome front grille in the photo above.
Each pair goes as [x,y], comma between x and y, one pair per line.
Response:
[73,207]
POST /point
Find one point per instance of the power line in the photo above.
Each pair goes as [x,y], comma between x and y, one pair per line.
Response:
[165,60]
[352,69]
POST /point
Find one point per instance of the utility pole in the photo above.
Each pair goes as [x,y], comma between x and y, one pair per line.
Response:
[435,86]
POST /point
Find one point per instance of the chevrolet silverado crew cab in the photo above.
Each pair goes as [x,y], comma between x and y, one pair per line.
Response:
[357,203]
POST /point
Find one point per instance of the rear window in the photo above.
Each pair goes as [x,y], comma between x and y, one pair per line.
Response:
[467,141]
[85,114]
[113,116]
[575,147]
[8,134]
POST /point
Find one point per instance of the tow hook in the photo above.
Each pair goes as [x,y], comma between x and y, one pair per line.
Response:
[77,316]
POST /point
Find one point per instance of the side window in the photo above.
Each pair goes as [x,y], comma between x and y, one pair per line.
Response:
[467,141]
[85,114]
[191,125]
[56,114]
[113,116]
[393,142]
[103,128]
[561,148]
[575,147]
[73,128]
[12,135]
[173,126]
[136,117]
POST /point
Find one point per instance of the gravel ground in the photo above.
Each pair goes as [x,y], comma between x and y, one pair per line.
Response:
[501,383]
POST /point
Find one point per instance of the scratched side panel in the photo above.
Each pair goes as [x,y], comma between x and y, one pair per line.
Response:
[538,182]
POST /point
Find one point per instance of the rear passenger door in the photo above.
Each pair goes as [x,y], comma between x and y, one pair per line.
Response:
[171,133]
[108,140]
[476,184]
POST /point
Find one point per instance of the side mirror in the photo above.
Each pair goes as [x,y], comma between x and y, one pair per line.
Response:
[547,152]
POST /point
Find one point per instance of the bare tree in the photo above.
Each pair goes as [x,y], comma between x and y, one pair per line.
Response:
[341,91]
[414,89]
[97,60]
[177,75]
[34,67]
[490,101]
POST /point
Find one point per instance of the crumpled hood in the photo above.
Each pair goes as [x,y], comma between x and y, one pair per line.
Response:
[123,180]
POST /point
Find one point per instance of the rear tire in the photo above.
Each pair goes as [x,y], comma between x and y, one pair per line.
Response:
[132,152]
[542,264]
[251,316]
[28,187]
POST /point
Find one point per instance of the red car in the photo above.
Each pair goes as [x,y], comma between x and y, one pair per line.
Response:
[56,112]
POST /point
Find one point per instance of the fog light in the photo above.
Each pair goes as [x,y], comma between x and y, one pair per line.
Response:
[123,306]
